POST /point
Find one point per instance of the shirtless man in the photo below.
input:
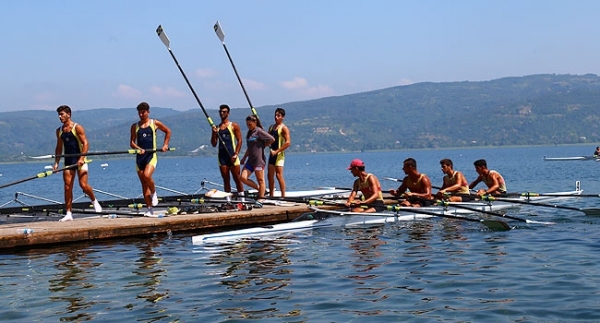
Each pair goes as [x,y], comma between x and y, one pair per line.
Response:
[370,187]
[455,187]
[494,181]
[415,187]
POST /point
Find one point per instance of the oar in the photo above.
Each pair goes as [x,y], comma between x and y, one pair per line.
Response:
[38,175]
[121,152]
[221,35]
[451,204]
[492,224]
[163,37]
[530,194]
[590,212]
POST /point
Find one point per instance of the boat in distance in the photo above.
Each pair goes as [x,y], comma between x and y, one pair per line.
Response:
[573,158]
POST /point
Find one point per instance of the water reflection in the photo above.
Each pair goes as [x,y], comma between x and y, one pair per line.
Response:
[256,271]
[71,281]
[151,270]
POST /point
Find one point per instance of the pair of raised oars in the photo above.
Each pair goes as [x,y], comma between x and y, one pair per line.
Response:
[50,172]
[219,31]
[588,211]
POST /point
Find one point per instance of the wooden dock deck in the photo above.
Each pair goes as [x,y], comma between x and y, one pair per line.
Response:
[12,236]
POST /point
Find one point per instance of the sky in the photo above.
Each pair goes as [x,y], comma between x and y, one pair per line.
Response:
[106,53]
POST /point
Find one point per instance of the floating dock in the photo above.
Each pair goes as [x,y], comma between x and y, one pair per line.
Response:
[43,233]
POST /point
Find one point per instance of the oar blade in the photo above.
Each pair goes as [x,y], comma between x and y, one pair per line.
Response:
[496,225]
[591,212]
[163,37]
[219,31]
[42,157]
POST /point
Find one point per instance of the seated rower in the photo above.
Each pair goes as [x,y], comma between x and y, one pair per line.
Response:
[370,187]
[415,187]
[455,187]
[494,181]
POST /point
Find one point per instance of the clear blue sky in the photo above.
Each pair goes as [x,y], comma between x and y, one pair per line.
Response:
[106,54]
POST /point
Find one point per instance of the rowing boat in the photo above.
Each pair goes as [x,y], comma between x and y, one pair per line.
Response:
[597,158]
[321,218]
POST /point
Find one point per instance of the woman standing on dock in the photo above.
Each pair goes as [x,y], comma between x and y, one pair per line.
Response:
[254,158]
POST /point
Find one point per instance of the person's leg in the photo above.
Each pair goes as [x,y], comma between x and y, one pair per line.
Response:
[226,179]
[235,173]
[69,180]
[271,178]
[82,174]
[246,180]
[260,178]
[280,179]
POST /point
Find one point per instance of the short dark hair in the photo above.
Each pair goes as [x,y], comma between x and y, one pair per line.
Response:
[64,108]
[143,107]
[411,162]
[224,106]
[480,163]
[446,161]
[280,111]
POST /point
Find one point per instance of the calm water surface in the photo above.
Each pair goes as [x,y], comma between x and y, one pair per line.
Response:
[432,270]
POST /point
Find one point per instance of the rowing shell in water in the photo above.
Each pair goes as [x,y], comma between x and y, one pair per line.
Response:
[281,229]
[597,158]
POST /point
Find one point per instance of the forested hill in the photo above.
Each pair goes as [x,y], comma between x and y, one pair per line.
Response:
[529,110]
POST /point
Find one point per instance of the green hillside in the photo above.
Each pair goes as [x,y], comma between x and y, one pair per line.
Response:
[530,110]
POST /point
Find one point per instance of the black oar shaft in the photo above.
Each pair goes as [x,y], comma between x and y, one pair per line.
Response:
[221,35]
[161,34]
[39,175]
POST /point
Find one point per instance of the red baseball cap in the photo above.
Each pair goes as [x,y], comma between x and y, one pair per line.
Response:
[356,163]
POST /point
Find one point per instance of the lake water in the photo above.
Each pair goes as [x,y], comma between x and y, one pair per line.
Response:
[434,270]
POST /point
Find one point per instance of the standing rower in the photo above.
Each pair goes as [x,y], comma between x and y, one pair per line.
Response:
[143,137]
[71,139]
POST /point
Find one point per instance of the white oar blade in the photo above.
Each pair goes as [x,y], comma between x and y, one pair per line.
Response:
[219,31]
[42,157]
[163,37]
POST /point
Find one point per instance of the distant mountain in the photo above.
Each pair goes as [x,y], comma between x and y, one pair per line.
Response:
[529,110]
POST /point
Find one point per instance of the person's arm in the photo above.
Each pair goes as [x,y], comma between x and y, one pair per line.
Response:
[133,138]
[491,188]
[266,138]
[475,182]
[401,189]
[58,150]
[214,136]
[237,132]
[84,143]
[162,127]
[460,178]
[350,200]
[426,184]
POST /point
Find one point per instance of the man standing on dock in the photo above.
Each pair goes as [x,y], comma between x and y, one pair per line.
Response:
[281,133]
[143,137]
[230,145]
[71,140]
